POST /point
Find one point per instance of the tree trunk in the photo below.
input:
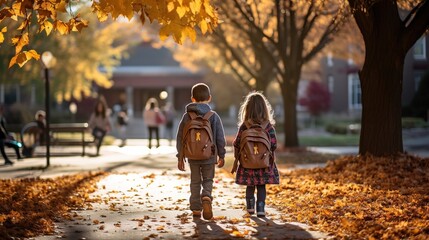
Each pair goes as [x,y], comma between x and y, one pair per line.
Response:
[381,84]
[289,89]
[261,84]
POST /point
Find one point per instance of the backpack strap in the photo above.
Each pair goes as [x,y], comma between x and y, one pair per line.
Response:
[192,115]
[249,123]
[235,166]
[206,116]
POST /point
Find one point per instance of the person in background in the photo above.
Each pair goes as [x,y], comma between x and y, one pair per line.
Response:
[153,118]
[99,123]
[36,134]
[122,121]
[170,115]
[6,139]
[40,118]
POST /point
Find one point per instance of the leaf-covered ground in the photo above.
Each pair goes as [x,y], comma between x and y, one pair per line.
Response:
[29,207]
[360,197]
[351,198]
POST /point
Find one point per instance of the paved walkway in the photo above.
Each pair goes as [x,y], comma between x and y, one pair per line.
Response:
[145,197]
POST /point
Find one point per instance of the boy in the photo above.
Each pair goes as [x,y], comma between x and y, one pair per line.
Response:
[202,171]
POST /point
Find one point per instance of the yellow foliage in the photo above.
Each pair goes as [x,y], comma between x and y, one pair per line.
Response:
[179,18]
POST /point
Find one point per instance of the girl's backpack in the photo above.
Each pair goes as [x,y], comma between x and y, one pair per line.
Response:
[255,146]
[198,137]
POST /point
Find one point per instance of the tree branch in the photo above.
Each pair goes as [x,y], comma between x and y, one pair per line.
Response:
[363,19]
[306,26]
[233,52]
[259,34]
[324,39]
[418,25]
[236,73]
[412,12]
[252,23]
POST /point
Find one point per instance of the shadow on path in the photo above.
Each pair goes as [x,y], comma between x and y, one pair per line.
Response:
[268,229]
[209,230]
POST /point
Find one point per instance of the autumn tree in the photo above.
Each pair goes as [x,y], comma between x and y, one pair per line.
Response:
[388,33]
[265,41]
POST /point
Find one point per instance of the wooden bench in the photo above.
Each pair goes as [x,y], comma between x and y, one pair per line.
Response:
[30,130]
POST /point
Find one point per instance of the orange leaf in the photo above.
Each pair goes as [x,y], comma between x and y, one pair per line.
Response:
[79,25]
[209,9]
[20,41]
[61,27]
[170,6]
[181,11]
[165,31]
[32,54]
[3,30]
[203,26]
[23,57]
[189,32]
[61,7]
[195,6]
[19,59]
[47,26]
[17,9]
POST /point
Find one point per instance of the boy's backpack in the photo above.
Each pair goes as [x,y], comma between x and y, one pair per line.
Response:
[255,146]
[198,137]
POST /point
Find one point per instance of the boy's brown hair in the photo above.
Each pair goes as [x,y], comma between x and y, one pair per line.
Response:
[200,92]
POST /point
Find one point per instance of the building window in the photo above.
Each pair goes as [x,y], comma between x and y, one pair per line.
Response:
[329,60]
[355,93]
[331,83]
[419,49]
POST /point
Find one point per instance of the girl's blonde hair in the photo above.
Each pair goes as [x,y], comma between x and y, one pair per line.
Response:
[256,108]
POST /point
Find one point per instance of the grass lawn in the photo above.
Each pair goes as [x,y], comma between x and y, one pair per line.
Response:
[333,140]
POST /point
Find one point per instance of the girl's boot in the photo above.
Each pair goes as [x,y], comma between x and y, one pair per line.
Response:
[260,209]
[250,203]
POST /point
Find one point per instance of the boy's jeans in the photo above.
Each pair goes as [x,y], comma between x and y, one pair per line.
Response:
[201,175]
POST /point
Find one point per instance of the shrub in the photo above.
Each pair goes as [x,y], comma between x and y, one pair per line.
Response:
[337,128]
[410,122]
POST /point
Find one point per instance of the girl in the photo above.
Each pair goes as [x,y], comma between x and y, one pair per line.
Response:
[256,109]
[153,118]
[99,123]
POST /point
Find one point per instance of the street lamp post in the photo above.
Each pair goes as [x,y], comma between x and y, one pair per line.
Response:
[48,62]
[73,110]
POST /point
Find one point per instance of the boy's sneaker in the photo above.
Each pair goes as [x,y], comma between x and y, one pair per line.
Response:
[196,213]
[207,208]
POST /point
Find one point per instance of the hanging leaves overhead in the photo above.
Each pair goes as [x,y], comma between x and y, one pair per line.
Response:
[178,18]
